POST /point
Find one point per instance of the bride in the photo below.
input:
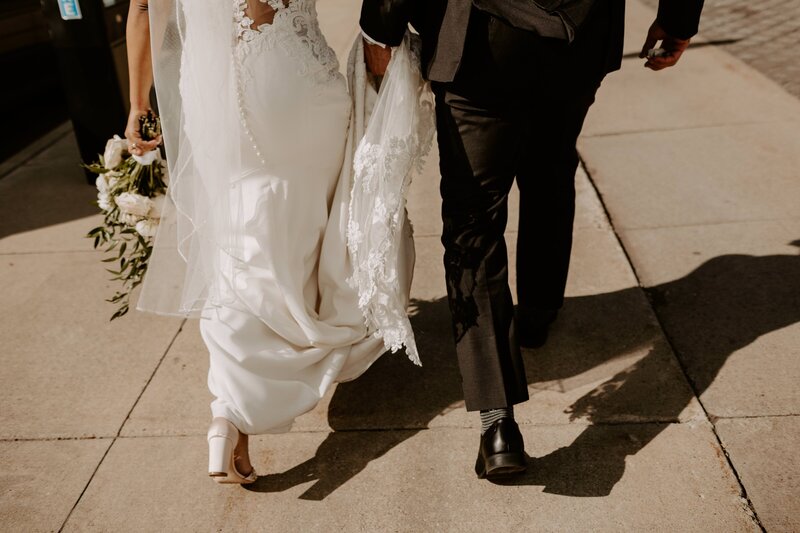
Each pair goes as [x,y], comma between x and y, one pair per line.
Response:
[295,260]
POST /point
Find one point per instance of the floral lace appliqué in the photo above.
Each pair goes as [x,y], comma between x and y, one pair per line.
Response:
[295,28]
[378,224]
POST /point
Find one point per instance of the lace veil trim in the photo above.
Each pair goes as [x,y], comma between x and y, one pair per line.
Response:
[397,137]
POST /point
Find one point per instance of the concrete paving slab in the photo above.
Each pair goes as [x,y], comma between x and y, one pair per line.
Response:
[607,361]
[709,87]
[699,176]
[589,210]
[661,255]
[650,477]
[67,371]
[35,148]
[41,480]
[636,99]
[598,264]
[63,155]
[764,453]
[176,401]
[46,205]
[736,372]
[728,298]
[759,379]
[59,237]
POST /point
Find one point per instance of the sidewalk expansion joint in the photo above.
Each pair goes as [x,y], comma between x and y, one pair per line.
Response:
[416,429]
[53,439]
[710,223]
[742,490]
[714,418]
[689,128]
[52,252]
[119,430]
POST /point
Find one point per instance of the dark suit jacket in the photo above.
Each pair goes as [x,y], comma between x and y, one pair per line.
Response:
[443,24]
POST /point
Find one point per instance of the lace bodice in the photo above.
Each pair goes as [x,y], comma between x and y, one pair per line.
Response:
[291,24]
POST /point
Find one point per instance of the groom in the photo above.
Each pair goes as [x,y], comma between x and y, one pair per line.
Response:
[513,81]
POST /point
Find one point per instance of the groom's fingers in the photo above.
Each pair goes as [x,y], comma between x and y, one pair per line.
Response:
[675,49]
[649,43]
[654,34]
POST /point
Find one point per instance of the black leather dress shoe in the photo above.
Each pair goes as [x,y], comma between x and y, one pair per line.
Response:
[533,327]
[502,451]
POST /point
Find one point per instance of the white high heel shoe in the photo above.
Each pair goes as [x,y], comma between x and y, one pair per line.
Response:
[222,439]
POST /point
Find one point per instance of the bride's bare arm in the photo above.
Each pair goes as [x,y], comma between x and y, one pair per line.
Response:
[140,69]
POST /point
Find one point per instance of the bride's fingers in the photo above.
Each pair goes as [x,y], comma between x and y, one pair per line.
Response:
[138,146]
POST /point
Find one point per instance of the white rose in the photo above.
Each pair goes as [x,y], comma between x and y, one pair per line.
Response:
[104,201]
[134,204]
[147,227]
[112,156]
[128,219]
[101,183]
[158,206]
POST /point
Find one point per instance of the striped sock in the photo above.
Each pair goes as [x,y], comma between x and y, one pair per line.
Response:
[490,416]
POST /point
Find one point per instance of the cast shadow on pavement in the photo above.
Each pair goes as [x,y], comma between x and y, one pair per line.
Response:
[47,190]
[722,306]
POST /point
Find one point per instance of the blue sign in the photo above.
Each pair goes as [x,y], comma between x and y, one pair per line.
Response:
[70,9]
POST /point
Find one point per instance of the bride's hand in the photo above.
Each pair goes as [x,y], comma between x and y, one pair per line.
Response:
[137,145]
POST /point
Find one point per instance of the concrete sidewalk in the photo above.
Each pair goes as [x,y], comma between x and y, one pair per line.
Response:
[666,399]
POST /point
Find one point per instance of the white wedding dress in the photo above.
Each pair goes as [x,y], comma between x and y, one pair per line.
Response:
[269,270]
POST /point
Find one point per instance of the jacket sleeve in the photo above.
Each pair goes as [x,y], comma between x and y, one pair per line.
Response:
[386,21]
[680,18]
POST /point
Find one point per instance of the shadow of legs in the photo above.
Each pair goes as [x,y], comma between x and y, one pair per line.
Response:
[341,456]
[592,464]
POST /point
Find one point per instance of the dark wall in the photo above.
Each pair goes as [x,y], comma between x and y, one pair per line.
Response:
[31,97]
[83,76]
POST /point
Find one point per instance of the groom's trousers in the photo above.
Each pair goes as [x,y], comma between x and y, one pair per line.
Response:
[513,112]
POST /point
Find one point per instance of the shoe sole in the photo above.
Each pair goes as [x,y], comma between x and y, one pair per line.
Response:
[503,465]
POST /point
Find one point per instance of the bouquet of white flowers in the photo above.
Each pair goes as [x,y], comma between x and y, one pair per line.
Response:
[130,193]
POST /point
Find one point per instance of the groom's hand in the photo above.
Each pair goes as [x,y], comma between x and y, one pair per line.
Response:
[672,48]
[377,57]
